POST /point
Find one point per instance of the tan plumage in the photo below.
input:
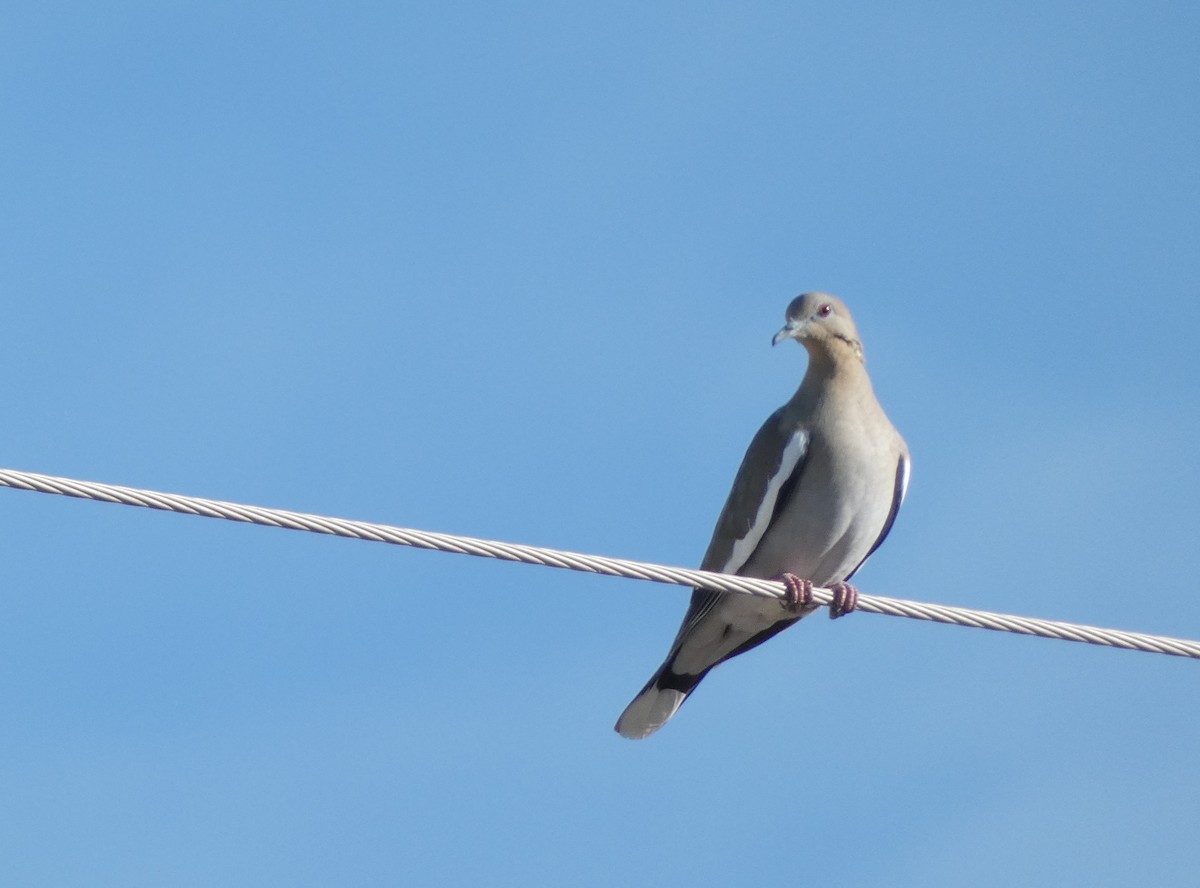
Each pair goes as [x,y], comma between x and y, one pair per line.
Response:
[815,495]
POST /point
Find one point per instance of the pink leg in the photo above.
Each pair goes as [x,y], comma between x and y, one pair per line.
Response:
[799,595]
[845,599]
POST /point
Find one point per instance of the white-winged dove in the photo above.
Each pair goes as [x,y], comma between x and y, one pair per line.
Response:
[817,493]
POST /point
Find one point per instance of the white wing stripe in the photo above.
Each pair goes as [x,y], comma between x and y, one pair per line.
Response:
[793,452]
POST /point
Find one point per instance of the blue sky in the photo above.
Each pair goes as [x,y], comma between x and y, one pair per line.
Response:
[513,272]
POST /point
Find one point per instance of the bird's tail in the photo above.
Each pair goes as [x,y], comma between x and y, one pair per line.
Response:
[658,701]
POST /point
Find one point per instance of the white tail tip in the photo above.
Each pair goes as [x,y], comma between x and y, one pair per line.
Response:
[649,711]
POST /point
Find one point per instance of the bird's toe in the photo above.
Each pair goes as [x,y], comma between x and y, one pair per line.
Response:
[799,595]
[845,600]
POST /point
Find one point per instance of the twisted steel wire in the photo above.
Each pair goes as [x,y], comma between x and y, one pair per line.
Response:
[598,564]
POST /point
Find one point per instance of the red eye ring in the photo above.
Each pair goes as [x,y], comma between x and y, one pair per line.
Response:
[825,310]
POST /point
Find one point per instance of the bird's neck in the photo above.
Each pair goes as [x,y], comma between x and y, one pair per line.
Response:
[836,356]
[833,365]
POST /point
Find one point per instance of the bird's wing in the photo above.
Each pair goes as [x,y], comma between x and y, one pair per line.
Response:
[768,475]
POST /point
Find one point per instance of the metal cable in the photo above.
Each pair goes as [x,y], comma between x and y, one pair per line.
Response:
[616,567]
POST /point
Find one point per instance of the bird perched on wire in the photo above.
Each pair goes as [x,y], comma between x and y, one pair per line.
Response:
[816,494]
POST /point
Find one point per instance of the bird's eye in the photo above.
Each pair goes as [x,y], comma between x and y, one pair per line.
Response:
[825,310]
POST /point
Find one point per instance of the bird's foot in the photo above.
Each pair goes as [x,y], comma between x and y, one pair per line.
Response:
[799,595]
[845,599]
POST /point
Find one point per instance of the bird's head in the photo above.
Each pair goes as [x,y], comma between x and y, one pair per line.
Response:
[819,321]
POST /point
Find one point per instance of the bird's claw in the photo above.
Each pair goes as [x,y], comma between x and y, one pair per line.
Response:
[845,599]
[799,595]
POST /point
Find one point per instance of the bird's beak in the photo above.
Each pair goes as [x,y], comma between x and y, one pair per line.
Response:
[789,331]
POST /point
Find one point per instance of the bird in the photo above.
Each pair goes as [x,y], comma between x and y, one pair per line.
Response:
[816,494]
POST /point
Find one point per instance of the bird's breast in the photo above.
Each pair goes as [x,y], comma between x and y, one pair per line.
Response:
[834,513]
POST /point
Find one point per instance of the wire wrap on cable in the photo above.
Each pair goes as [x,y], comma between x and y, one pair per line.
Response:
[599,564]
